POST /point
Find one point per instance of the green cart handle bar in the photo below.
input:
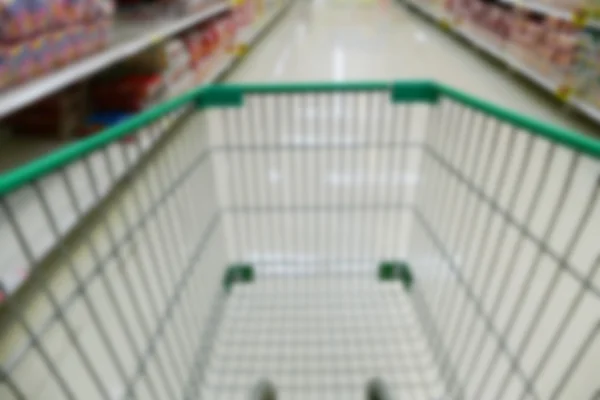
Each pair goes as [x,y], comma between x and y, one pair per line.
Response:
[232,95]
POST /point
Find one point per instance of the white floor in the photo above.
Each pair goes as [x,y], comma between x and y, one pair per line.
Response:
[381,40]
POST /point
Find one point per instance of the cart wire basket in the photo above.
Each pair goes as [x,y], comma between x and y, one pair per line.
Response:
[306,241]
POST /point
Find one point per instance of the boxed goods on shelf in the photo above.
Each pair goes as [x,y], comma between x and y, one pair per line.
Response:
[543,43]
[244,14]
[99,120]
[573,5]
[585,74]
[126,93]
[153,60]
[228,29]
[178,76]
[494,24]
[207,44]
[178,61]
[38,35]
[546,44]
[114,98]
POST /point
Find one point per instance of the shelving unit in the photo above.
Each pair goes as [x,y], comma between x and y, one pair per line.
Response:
[15,266]
[557,89]
[129,39]
[580,18]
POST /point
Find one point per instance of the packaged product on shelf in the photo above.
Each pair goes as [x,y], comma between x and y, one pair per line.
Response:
[40,57]
[38,35]
[75,34]
[570,5]
[96,9]
[493,24]
[178,62]
[203,64]
[563,39]
[4,74]
[194,43]
[98,121]
[58,116]
[21,61]
[151,61]
[126,93]
[40,15]
[584,75]
[526,36]
[554,52]
[229,29]
[7,76]
[61,45]
[71,11]
[16,21]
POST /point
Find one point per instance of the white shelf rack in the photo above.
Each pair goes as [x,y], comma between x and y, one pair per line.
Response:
[14,267]
[499,54]
[130,38]
[549,10]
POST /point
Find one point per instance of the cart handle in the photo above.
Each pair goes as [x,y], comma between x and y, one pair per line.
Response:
[401,91]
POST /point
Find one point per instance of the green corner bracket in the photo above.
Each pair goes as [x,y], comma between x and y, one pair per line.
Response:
[393,270]
[220,96]
[238,273]
[415,92]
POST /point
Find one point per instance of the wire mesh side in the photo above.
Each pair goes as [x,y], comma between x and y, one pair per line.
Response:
[314,182]
[117,311]
[316,190]
[504,246]
[14,263]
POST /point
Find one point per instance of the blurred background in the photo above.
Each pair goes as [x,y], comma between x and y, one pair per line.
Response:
[101,252]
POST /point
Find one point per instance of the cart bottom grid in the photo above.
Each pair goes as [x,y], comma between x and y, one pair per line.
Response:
[320,338]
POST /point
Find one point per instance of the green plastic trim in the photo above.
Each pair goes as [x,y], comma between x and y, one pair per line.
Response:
[232,95]
[393,270]
[417,91]
[55,160]
[238,273]
[220,96]
[572,139]
[304,87]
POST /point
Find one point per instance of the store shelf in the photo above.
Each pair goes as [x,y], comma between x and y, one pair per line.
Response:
[14,265]
[498,53]
[578,18]
[130,38]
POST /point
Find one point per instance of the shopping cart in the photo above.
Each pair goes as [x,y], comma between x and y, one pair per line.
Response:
[325,241]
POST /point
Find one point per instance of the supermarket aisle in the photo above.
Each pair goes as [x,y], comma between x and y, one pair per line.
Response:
[380,39]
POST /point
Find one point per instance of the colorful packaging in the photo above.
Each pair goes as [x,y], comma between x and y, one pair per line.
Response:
[41,57]
[75,43]
[99,121]
[15,20]
[40,15]
[5,75]
[22,61]
[129,93]
[75,11]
